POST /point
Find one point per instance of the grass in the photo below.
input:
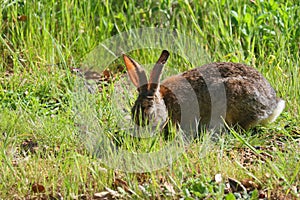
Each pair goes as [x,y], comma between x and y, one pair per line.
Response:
[42,150]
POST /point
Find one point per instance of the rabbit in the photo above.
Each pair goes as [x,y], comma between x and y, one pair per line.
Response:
[249,99]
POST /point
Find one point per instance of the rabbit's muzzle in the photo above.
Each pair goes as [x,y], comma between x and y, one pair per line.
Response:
[150,111]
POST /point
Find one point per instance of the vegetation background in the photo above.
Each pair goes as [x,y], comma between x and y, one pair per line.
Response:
[43,42]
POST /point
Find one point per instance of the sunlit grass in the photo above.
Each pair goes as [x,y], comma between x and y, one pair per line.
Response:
[41,136]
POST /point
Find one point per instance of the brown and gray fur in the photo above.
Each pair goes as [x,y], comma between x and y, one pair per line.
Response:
[250,99]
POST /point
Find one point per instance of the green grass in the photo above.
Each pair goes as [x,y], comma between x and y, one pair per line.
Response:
[41,134]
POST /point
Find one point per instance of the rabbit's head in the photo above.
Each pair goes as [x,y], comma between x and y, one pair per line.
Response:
[149,108]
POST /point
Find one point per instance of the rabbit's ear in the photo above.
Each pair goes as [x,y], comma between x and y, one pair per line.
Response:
[157,70]
[136,72]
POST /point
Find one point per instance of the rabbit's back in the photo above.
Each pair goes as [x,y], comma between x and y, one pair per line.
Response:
[248,97]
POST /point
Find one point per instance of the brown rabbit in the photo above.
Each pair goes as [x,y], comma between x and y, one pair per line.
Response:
[206,95]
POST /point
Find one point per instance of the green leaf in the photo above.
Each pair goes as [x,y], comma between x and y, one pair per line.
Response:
[230,196]
[254,194]
[235,15]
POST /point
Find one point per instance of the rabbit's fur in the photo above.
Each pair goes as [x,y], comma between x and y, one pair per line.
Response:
[187,98]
